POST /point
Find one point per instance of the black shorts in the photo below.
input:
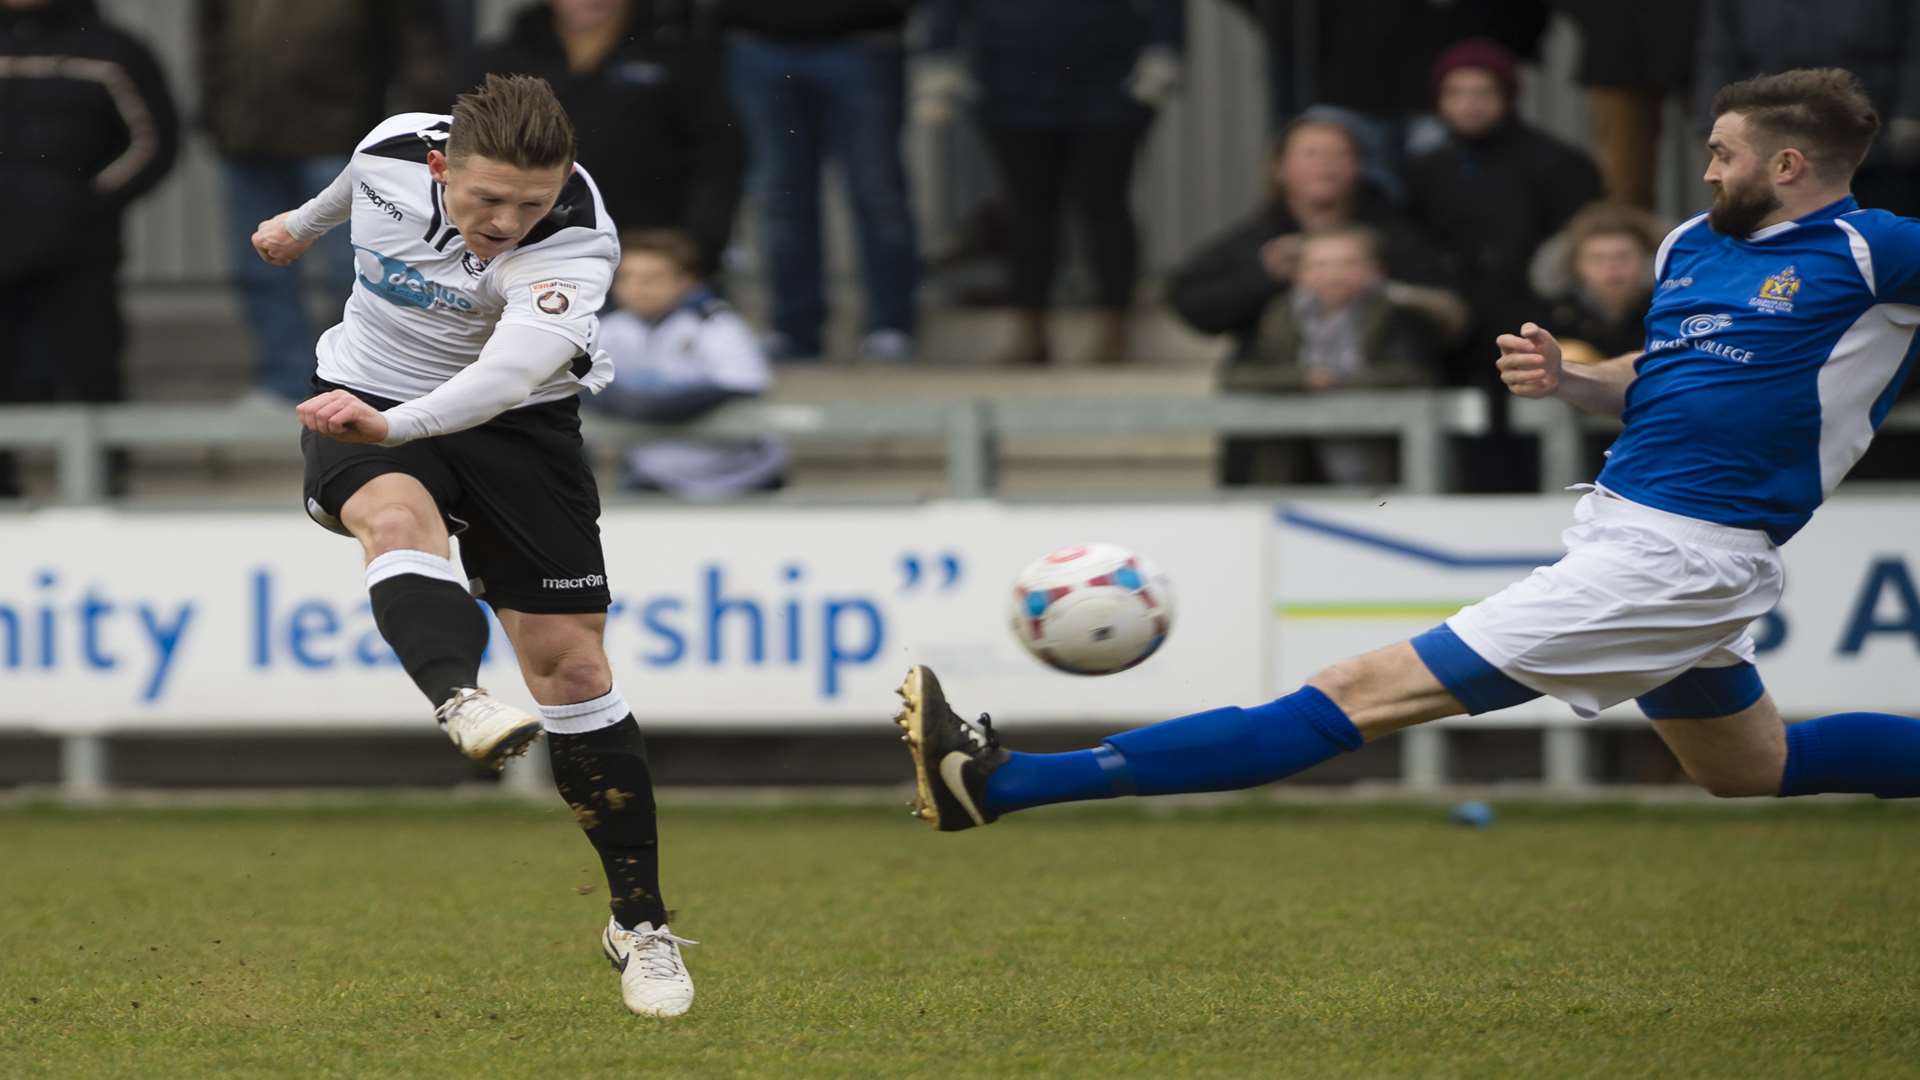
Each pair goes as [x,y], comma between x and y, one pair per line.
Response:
[517,491]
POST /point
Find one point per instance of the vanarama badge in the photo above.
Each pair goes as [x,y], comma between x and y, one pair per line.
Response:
[1777,292]
[555,298]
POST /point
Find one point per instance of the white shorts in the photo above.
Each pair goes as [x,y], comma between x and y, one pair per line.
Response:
[1640,597]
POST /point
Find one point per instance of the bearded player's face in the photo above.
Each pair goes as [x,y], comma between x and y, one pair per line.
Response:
[495,203]
[1739,173]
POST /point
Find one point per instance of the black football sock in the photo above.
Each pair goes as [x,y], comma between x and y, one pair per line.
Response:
[423,609]
[602,773]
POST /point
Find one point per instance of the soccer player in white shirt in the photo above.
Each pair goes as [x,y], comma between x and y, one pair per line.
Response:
[447,403]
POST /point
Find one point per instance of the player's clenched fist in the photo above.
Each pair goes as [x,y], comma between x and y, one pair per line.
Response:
[275,244]
[341,416]
[1530,362]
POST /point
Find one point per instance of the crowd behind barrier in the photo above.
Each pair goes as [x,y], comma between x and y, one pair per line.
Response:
[1411,213]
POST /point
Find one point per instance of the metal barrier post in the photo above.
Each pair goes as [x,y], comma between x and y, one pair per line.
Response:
[1562,445]
[83,767]
[972,447]
[1423,452]
[1423,758]
[1565,753]
[82,465]
[529,776]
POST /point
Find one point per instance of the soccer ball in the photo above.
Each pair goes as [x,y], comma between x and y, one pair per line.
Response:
[1092,609]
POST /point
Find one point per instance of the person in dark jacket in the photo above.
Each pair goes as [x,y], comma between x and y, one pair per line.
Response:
[288,88]
[1494,192]
[1226,285]
[817,80]
[650,111]
[1064,92]
[1491,195]
[1631,61]
[86,127]
[1322,52]
[1878,40]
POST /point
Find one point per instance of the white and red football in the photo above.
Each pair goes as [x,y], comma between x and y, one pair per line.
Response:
[1092,609]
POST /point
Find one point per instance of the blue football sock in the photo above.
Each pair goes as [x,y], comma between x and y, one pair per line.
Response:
[1217,750]
[1866,753]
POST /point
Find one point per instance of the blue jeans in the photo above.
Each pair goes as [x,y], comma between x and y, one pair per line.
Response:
[802,104]
[274,299]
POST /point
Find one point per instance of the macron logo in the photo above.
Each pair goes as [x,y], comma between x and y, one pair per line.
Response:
[591,581]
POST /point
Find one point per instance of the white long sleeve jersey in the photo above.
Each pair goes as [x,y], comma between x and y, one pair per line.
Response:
[422,305]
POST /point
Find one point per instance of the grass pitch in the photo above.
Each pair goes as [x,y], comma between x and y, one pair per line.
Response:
[442,940]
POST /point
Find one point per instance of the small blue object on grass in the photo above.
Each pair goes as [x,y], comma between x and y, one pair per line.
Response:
[1472,812]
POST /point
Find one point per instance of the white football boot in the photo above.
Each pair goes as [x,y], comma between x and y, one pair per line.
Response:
[486,730]
[653,978]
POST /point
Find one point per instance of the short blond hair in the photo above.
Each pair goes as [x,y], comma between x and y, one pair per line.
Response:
[515,119]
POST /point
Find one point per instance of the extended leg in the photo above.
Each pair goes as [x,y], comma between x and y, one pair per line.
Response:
[965,779]
[420,600]
[422,607]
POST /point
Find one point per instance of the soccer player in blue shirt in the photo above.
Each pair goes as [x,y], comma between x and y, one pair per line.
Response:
[1782,326]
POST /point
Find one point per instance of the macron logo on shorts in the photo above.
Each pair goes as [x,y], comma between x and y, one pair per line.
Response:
[591,581]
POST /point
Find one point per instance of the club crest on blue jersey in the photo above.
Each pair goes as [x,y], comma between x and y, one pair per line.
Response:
[1777,292]
[398,283]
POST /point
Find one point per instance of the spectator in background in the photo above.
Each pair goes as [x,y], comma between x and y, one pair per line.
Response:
[1341,326]
[288,87]
[1371,57]
[1065,91]
[649,110]
[679,352]
[1490,196]
[817,80]
[1634,54]
[1226,286]
[1495,191]
[88,127]
[1609,266]
[1878,40]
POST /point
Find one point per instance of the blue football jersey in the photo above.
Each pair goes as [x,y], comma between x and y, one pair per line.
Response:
[1769,363]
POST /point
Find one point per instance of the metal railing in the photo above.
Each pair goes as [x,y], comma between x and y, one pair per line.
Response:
[1563,436]
[970,431]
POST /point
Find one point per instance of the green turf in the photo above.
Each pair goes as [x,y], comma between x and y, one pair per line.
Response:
[443,940]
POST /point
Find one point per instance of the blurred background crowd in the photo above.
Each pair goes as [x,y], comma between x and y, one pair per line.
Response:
[756,152]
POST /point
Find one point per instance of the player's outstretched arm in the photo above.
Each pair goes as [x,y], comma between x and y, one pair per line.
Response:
[516,359]
[277,246]
[1531,367]
[286,236]
[339,415]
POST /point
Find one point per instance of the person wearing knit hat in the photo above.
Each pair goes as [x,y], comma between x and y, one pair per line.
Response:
[1479,54]
[1489,196]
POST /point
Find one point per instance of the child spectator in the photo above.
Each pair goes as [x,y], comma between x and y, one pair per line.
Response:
[1342,325]
[679,352]
[1609,262]
[1315,185]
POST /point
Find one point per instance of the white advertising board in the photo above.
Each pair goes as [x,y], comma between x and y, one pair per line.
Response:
[724,617]
[1354,575]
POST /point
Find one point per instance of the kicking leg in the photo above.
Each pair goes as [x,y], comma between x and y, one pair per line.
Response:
[600,768]
[422,607]
[965,778]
